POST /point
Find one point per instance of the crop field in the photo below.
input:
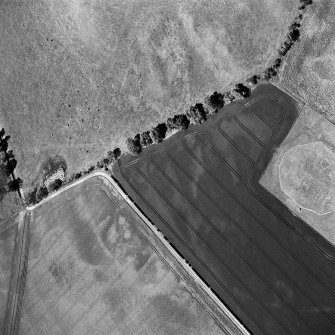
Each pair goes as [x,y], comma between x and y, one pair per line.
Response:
[310,70]
[94,269]
[311,129]
[8,230]
[79,77]
[200,188]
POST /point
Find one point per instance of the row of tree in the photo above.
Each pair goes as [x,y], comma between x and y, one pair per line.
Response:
[196,114]
[8,164]
[41,192]
[292,36]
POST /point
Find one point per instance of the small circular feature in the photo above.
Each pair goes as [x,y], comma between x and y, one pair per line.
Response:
[307,176]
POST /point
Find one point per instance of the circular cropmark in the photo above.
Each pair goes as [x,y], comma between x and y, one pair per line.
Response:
[307,176]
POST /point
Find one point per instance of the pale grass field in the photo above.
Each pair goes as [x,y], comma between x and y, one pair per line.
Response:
[91,270]
[79,76]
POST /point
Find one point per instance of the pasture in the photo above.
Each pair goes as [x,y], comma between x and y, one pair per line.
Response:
[95,268]
[310,127]
[200,188]
[309,72]
[79,77]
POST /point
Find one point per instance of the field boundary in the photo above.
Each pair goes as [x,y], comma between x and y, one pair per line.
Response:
[159,235]
[18,278]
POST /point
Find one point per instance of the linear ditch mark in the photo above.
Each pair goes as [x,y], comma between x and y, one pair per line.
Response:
[214,253]
[18,278]
[222,285]
[234,249]
[247,235]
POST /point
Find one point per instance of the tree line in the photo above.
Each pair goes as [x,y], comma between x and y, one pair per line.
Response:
[196,114]
[292,36]
[7,166]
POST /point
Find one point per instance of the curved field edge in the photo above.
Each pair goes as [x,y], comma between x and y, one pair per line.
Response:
[196,286]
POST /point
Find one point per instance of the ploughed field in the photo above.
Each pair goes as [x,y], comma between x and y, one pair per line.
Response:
[94,269]
[201,190]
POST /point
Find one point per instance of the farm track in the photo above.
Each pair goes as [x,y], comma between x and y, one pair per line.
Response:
[154,163]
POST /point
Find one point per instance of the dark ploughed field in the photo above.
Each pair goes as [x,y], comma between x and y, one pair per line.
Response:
[200,188]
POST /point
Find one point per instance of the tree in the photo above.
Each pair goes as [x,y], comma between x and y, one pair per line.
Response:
[90,169]
[215,101]
[100,164]
[254,79]
[146,139]
[14,185]
[114,155]
[31,197]
[2,133]
[179,121]
[228,97]
[294,35]
[277,63]
[197,114]
[242,90]
[56,184]
[285,48]
[4,144]
[10,154]
[134,146]
[41,193]
[10,166]
[269,73]
[158,133]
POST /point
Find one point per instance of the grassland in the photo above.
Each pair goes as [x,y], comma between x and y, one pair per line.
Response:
[78,77]
[201,190]
[310,127]
[309,73]
[94,268]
